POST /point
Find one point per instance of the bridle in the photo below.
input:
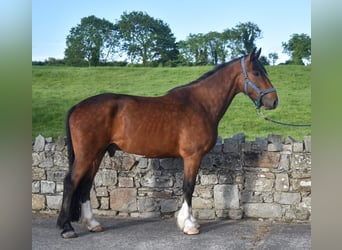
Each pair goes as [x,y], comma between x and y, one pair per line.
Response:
[248,82]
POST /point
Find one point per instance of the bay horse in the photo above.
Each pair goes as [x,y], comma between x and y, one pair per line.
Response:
[182,123]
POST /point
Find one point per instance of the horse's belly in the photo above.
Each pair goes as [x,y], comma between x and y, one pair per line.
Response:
[149,144]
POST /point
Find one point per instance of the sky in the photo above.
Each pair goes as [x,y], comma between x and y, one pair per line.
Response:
[277,19]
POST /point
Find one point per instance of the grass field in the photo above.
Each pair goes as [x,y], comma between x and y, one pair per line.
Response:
[56,89]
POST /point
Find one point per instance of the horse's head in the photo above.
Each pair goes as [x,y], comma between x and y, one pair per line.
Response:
[256,83]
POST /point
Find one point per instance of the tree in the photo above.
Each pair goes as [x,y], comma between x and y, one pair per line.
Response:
[216,46]
[146,39]
[298,47]
[202,49]
[242,38]
[264,60]
[273,57]
[89,41]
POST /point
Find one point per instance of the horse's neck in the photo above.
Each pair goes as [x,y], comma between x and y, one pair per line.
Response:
[216,92]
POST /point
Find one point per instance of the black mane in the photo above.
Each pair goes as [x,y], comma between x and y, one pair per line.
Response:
[207,74]
[217,68]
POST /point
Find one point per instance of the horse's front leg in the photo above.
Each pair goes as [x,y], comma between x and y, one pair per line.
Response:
[185,219]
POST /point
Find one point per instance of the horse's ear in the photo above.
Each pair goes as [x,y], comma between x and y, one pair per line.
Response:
[254,55]
[258,54]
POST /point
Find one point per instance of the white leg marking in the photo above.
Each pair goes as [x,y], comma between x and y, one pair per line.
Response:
[185,220]
[87,217]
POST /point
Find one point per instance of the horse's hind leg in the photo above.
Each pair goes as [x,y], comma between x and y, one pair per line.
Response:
[65,216]
[76,185]
[87,217]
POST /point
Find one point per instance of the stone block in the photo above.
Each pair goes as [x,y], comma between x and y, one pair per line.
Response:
[275,139]
[38,202]
[302,213]
[146,205]
[246,146]
[142,163]
[38,174]
[60,144]
[93,199]
[35,186]
[39,144]
[54,202]
[250,197]
[289,140]
[226,196]
[59,187]
[104,203]
[156,181]
[301,185]
[101,191]
[210,179]
[216,149]
[205,214]
[168,205]
[284,162]
[49,146]
[307,143]
[155,214]
[262,210]
[235,214]
[273,147]
[126,182]
[282,182]
[203,191]
[179,179]
[305,183]
[106,177]
[259,184]
[240,137]
[201,203]
[46,160]
[297,147]
[123,199]
[262,159]
[231,146]
[222,213]
[47,187]
[225,178]
[287,198]
[300,161]
[36,158]
[60,159]
[128,162]
[171,163]
[306,203]
[260,144]
[56,175]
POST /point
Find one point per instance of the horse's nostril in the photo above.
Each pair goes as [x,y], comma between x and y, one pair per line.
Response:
[275,104]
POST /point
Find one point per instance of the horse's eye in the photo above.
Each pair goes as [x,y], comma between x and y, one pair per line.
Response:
[256,73]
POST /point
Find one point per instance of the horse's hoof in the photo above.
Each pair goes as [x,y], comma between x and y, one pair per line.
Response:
[96,229]
[197,226]
[68,234]
[192,231]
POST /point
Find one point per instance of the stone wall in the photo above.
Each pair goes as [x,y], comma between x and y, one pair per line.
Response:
[265,178]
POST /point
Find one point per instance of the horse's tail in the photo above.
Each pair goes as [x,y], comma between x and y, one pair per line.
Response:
[71,153]
[75,206]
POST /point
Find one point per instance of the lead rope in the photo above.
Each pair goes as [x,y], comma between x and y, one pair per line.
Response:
[278,122]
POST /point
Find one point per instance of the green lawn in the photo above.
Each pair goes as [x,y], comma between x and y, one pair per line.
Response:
[56,89]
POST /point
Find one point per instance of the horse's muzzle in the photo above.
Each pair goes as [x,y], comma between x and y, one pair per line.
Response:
[269,103]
